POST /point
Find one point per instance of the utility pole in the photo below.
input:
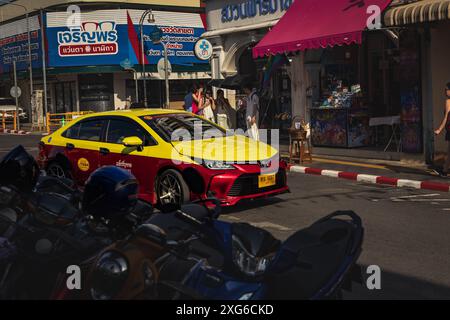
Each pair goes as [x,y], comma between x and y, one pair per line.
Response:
[166,75]
[16,96]
[151,19]
[30,60]
[44,67]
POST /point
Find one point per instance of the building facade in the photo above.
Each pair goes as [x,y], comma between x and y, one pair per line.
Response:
[92,52]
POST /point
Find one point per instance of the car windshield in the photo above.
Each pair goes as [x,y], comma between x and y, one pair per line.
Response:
[176,127]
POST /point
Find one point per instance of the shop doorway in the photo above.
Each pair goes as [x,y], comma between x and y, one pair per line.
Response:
[156,93]
[96,92]
[65,97]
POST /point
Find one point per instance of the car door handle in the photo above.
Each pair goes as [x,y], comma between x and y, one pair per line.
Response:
[70,146]
[104,151]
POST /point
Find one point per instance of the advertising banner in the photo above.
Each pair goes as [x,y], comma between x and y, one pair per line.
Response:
[108,37]
[14,44]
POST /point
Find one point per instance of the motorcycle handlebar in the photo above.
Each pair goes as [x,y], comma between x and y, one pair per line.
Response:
[215,201]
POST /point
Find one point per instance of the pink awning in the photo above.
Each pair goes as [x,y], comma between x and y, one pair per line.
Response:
[313,24]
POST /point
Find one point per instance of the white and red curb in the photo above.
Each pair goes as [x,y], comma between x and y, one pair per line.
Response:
[436,186]
[10,131]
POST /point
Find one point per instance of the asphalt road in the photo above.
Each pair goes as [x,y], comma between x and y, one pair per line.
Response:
[406,231]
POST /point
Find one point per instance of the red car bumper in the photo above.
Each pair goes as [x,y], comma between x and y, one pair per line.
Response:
[236,185]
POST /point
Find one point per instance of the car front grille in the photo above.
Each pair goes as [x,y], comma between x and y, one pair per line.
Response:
[247,184]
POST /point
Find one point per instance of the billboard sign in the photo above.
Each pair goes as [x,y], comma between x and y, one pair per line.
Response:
[108,37]
[14,44]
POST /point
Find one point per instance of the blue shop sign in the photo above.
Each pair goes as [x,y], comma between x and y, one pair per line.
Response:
[252,8]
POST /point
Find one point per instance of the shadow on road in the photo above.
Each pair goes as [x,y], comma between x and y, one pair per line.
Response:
[253,204]
[395,286]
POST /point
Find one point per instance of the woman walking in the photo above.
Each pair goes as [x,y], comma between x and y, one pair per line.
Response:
[446,124]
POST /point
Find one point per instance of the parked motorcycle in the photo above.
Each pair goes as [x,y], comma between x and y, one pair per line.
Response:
[54,232]
[22,187]
[129,268]
[314,263]
[191,254]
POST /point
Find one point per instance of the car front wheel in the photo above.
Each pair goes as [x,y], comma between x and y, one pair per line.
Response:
[171,188]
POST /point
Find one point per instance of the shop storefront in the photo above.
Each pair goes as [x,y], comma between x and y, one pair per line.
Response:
[340,115]
[360,85]
[234,28]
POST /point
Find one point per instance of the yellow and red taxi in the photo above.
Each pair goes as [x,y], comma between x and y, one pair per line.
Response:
[175,155]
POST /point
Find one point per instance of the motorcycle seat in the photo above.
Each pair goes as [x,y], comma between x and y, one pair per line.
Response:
[310,258]
[256,241]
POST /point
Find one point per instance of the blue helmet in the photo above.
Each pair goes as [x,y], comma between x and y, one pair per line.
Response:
[19,169]
[110,192]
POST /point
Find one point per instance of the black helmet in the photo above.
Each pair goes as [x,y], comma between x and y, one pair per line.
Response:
[110,192]
[18,168]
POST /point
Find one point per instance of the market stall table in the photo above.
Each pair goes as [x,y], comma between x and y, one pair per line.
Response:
[394,123]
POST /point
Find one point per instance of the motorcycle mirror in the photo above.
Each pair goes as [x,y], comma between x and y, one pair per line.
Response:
[43,246]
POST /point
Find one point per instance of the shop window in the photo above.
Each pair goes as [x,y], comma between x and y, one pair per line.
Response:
[96,92]
[65,97]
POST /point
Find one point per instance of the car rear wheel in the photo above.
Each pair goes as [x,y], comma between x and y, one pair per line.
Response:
[171,188]
[58,170]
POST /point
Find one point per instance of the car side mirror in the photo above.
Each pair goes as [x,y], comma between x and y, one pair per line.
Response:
[132,142]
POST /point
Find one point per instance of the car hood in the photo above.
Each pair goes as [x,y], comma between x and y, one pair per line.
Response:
[236,148]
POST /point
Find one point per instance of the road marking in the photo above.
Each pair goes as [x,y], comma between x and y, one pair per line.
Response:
[330,173]
[446,209]
[232,218]
[433,200]
[298,169]
[412,197]
[409,183]
[366,178]
[270,225]
[354,164]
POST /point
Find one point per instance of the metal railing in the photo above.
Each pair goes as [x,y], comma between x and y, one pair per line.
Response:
[54,121]
[9,120]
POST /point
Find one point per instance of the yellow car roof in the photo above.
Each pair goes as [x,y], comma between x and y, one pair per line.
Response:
[138,112]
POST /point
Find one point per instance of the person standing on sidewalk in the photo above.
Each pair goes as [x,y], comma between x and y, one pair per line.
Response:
[446,124]
[188,100]
[252,112]
[209,107]
[224,109]
[196,100]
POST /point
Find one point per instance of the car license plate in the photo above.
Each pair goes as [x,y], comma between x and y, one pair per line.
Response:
[266,180]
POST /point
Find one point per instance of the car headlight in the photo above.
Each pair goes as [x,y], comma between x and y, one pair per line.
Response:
[247,263]
[109,275]
[218,165]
